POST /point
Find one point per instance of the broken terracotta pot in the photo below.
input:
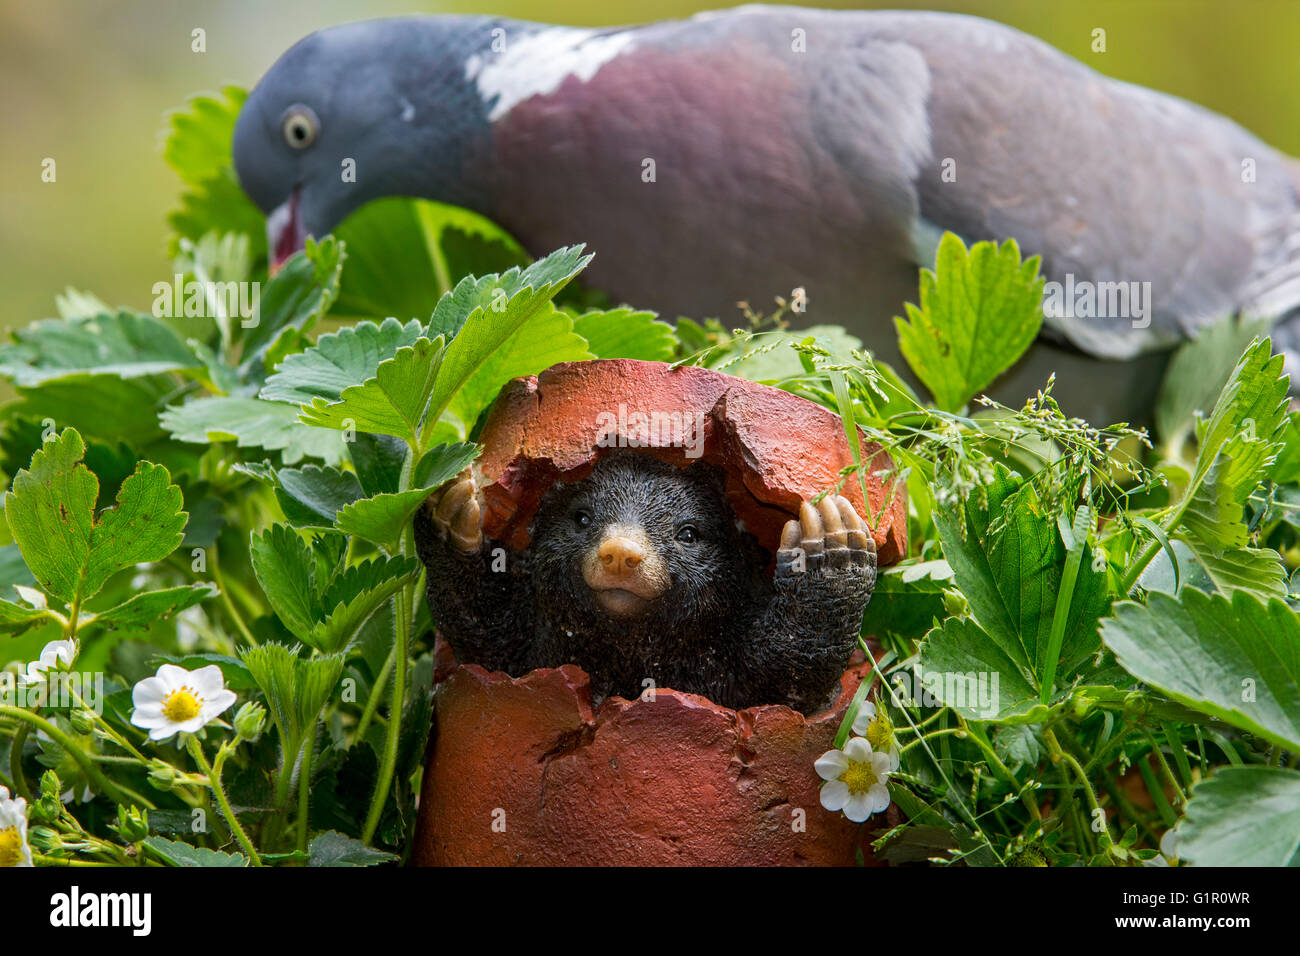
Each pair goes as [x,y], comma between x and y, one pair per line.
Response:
[525,770]
[778,449]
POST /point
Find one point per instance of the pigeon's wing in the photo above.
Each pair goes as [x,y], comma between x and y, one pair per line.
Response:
[1107,181]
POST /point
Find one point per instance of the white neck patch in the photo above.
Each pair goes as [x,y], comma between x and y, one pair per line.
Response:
[538,63]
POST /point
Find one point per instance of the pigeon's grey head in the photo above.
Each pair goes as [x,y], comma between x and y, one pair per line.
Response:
[355,112]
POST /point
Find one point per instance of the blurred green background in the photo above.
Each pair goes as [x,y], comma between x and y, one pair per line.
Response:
[87,83]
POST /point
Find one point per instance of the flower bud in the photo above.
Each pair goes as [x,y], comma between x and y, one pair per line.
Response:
[132,823]
[249,721]
[83,721]
[163,776]
[50,785]
[44,839]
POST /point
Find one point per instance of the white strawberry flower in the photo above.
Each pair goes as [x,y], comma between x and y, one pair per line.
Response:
[856,779]
[56,654]
[177,701]
[14,850]
[873,723]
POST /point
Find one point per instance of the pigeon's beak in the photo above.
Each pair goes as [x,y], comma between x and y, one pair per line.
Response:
[284,231]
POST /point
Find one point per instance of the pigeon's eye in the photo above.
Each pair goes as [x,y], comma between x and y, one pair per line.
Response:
[300,126]
[688,534]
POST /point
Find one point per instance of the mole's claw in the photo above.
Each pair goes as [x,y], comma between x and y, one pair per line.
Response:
[837,545]
[814,533]
[466,528]
[459,516]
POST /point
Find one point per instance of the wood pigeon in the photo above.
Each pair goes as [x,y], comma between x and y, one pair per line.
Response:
[742,154]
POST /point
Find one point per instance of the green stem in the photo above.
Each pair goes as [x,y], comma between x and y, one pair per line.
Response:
[1151,550]
[60,861]
[16,762]
[1157,792]
[292,750]
[304,788]
[227,602]
[977,735]
[1059,618]
[372,702]
[1166,769]
[958,803]
[115,791]
[389,762]
[1059,755]
[218,791]
[112,733]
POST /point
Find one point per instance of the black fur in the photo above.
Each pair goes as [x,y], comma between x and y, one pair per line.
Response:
[722,629]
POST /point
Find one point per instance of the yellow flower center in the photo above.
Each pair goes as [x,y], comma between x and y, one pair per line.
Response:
[11,847]
[859,777]
[181,705]
[880,731]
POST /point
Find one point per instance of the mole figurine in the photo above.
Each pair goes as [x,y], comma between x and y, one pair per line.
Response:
[639,574]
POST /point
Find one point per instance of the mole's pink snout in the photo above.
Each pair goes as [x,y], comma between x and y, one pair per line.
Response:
[620,556]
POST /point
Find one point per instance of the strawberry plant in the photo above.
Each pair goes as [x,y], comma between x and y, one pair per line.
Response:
[223,655]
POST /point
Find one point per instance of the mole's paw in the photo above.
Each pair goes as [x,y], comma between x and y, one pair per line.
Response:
[830,535]
[457,514]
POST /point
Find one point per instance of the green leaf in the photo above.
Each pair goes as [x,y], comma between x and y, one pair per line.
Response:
[312,496]
[285,570]
[124,344]
[296,688]
[16,618]
[77,304]
[1256,571]
[296,297]
[390,403]
[1251,407]
[1243,816]
[146,525]
[383,518]
[338,361]
[357,593]
[626,333]
[51,515]
[252,423]
[408,252]
[962,667]
[483,314]
[907,600]
[1197,373]
[1235,659]
[106,407]
[1238,444]
[149,607]
[198,149]
[334,849]
[1213,517]
[182,854]
[378,461]
[199,134]
[979,313]
[1008,561]
[546,339]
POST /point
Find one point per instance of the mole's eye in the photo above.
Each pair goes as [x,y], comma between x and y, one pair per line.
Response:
[582,518]
[688,533]
[300,126]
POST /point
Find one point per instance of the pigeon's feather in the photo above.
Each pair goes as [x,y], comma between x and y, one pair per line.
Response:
[744,153]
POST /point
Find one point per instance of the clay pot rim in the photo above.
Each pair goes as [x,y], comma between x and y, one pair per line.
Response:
[578,682]
[516,475]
